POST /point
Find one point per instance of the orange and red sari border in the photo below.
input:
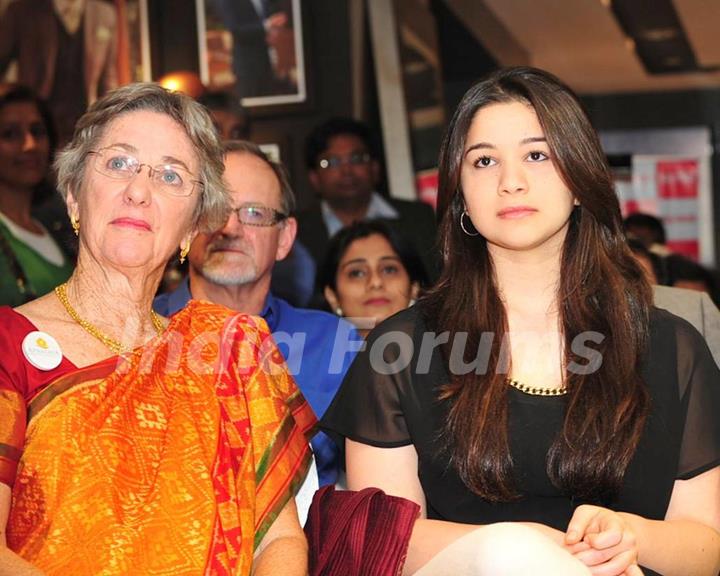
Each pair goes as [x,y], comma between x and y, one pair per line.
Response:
[67,382]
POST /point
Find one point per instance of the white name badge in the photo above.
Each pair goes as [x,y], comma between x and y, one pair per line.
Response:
[42,350]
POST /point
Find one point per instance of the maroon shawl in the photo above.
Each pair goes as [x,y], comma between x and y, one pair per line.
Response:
[359,533]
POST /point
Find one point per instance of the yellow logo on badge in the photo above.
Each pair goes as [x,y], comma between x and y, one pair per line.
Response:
[42,343]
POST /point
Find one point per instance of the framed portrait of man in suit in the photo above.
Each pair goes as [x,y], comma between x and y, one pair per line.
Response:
[70,52]
[253,48]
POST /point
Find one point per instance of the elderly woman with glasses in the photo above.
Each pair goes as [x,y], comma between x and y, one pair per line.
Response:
[130,443]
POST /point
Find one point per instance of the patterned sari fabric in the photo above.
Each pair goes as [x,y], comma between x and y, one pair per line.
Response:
[174,460]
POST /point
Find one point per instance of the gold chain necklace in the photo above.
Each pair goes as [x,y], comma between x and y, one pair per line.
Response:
[536,391]
[114,345]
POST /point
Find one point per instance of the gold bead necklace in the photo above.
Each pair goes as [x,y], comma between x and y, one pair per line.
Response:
[536,391]
[114,345]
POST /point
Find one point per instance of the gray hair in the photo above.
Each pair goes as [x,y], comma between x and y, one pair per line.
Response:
[287,196]
[70,164]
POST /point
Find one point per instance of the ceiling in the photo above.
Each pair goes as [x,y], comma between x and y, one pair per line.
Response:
[581,42]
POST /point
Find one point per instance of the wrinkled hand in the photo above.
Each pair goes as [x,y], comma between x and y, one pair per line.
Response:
[604,541]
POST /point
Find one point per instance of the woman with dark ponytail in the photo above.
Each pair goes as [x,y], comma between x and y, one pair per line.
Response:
[535,384]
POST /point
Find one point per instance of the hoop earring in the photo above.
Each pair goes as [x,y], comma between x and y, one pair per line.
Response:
[462,225]
[75,223]
[183,253]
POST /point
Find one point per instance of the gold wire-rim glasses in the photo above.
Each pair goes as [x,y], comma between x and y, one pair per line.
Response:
[155,173]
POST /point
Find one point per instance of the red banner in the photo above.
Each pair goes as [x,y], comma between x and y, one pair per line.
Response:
[677,179]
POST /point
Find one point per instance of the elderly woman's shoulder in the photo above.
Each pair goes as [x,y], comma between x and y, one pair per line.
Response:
[13,329]
[28,316]
[9,319]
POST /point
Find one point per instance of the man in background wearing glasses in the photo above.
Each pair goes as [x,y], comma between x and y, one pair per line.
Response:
[233,266]
[343,168]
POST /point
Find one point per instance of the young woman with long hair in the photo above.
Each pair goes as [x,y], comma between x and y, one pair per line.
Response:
[535,383]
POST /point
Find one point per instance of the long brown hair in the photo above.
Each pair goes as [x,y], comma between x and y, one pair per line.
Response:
[601,289]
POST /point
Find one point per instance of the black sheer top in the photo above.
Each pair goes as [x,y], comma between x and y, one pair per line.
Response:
[388,399]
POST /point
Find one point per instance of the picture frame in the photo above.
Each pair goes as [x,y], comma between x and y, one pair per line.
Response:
[139,41]
[255,49]
[132,36]
[116,50]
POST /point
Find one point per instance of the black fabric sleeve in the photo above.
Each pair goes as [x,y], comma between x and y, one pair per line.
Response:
[699,381]
[368,408]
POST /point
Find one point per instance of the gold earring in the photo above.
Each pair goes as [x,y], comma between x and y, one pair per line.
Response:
[183,253]
[75,223]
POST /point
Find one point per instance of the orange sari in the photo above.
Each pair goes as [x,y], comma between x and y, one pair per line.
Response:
[174,460]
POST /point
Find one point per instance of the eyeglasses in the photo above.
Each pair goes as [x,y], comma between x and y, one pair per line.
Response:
[258,215]
[354,159]
[119,165]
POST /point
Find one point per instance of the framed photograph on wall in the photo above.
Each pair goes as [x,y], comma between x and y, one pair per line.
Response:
[253,48]
[137,36]
[37,48]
